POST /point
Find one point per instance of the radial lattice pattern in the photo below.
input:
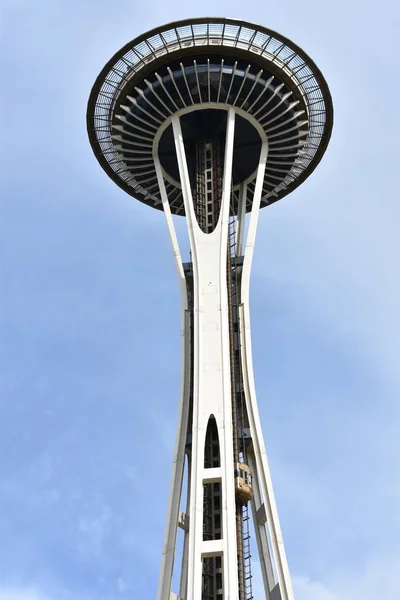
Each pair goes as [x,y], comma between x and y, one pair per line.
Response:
[209,64]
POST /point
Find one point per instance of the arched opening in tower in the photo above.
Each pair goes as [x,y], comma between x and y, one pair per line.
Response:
[212,514]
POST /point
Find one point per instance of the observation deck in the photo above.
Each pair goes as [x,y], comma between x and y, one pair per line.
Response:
[198,69]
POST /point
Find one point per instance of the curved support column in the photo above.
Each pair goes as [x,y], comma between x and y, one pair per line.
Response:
[262,467]
[241,219]
[260,531]
[185,553]
[168,553]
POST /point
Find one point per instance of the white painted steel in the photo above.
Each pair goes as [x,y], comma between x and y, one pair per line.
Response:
[241,219]
[168,554]
[185,551]
[261,461]
[183,521]
[211,475]
[171,229]
[211,372]
[212,389]
[260,532]
[206,105]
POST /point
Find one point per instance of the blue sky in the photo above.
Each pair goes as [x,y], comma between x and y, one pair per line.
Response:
[89,348]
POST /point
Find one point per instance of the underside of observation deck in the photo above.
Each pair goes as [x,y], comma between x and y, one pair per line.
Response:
[190,67]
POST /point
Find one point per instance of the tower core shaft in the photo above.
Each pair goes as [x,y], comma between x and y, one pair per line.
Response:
[219,429]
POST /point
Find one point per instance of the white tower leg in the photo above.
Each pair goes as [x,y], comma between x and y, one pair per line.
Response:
[168,554]
[185,552]
[261,462]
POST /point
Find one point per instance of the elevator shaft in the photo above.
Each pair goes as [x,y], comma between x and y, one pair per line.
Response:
[207,202]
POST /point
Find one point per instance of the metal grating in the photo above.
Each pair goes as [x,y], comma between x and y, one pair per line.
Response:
[267,45]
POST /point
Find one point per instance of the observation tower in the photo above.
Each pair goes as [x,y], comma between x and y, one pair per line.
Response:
[213,119]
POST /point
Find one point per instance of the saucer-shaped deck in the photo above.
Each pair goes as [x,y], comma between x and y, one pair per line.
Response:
[198,69]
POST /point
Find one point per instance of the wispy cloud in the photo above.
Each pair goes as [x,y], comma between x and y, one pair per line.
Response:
[90,325]
[380,577]
[22,594]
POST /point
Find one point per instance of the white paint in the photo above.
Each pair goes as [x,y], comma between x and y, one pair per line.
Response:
[261,460]
[212,475]
[168,553]
[206,105]
[212,391]
[241,219]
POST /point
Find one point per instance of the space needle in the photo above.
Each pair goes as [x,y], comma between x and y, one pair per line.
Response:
[213,119]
